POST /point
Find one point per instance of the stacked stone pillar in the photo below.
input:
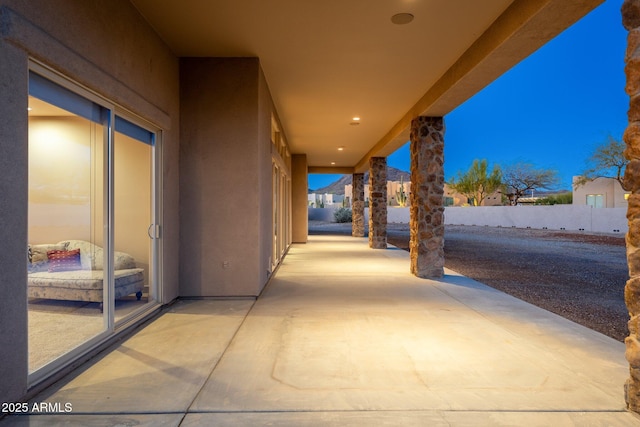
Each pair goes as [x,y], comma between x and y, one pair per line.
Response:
[427,197]
[357,205]
[631,21]
[378,203]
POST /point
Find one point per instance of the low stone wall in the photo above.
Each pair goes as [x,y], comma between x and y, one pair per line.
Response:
[557,217]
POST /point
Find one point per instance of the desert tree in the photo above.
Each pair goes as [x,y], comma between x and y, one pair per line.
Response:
[477,183]
[520,178]
[606,161]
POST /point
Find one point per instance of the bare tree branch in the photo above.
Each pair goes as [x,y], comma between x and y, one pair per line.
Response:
[520,178]
[607,161]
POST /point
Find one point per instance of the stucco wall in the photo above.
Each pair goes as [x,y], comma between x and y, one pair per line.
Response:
[557,217]
[13,217]
[106,46]
[323,214]
[609,188]
[224,178]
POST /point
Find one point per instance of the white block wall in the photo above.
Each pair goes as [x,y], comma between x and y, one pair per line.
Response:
[556,217]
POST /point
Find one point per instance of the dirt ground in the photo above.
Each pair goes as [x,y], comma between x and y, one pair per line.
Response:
[578,275]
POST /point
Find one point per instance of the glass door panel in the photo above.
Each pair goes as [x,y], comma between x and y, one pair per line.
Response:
[135,231]
[274,189]
[65,279]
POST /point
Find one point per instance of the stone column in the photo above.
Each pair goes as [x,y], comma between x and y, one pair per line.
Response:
[357,205]
[427,197]
[631,21]
[378,203]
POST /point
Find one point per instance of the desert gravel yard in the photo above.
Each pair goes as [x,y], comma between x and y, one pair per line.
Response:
[578,275]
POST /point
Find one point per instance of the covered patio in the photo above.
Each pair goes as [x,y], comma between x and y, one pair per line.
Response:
[247,99]
[343,335]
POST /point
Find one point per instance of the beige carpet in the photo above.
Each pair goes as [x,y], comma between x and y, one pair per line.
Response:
[56,327]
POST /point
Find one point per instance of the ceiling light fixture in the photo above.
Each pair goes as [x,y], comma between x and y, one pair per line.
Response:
[333,163]
[340,148]
[402,18]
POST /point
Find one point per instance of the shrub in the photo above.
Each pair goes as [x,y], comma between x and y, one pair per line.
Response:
[342,215]
[559,199]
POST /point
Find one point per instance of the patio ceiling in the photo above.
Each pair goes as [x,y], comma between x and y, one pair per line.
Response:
[329,61]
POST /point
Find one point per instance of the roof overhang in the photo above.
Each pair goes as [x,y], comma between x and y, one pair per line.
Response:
[327,62]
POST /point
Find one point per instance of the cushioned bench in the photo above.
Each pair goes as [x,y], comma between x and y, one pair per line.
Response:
[72,270]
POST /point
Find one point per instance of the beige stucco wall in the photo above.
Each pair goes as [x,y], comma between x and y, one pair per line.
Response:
[13,217]
[106,46]
[225,184]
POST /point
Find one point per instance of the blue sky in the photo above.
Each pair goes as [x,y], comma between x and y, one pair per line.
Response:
[550,110]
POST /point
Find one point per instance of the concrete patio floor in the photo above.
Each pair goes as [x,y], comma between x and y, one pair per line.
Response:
[345,336]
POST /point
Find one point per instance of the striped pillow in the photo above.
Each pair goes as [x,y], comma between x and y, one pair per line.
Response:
[64,260]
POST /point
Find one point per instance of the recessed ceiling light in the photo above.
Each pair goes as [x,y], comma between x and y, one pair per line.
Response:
[333,163]
[29,108]
[340,148]
[356,119]
[402,18]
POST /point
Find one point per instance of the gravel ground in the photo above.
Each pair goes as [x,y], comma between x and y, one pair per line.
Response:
[578,275]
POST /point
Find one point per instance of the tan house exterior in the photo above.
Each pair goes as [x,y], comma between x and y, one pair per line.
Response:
[453,198]
[600,193]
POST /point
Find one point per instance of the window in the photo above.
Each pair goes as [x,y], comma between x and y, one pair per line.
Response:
[595,200]
[280,188]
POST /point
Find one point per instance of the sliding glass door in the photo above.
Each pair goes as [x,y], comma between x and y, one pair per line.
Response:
[93,222]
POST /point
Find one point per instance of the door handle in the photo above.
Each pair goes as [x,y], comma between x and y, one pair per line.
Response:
[155,234]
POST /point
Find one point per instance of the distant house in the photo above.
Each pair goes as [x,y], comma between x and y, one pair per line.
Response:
[393,188]
[325,200]
[600,193]
[451,197]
